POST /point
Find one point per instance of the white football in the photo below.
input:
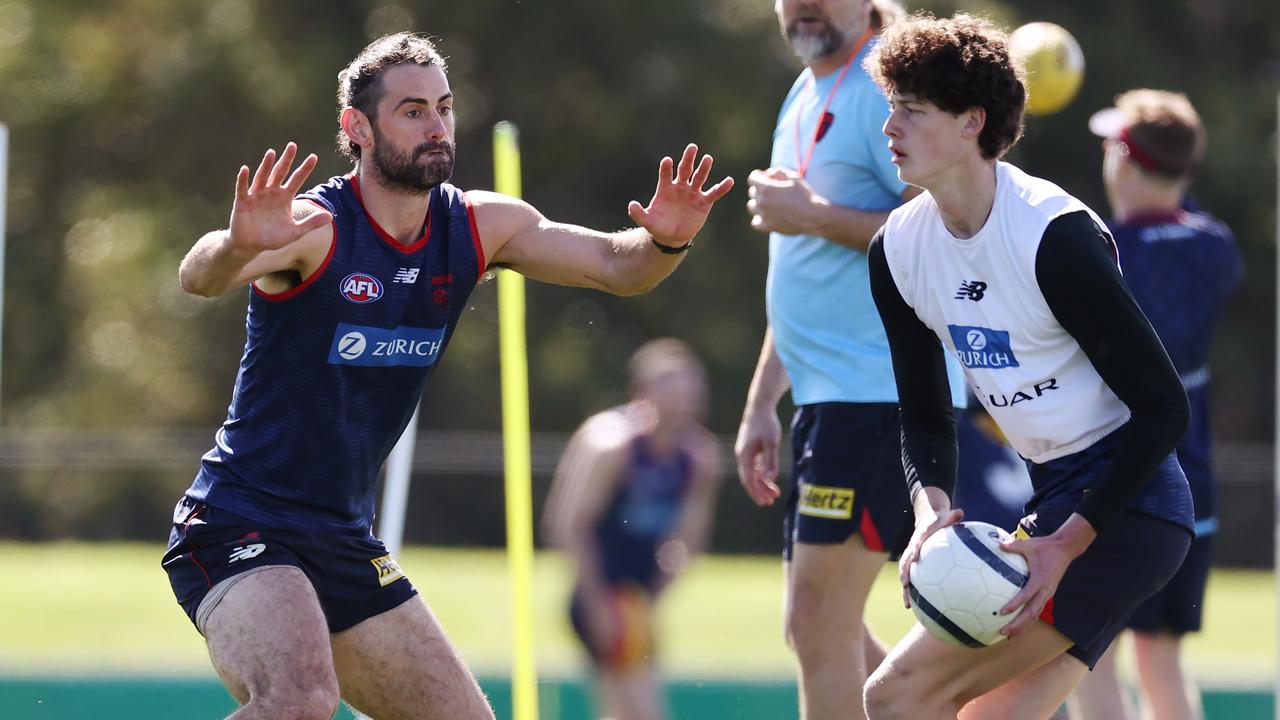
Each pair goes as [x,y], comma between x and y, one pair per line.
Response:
[961,581]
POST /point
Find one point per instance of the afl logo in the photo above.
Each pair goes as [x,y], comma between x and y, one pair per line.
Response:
[360,288]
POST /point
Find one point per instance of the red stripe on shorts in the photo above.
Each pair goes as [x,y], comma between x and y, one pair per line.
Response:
[870,537]
[1047,613]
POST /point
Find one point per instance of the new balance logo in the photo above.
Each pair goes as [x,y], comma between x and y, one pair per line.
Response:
[246,552]
[407,276]
[971,290]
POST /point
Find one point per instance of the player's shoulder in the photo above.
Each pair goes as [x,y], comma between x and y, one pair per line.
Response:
[1032,204]
[331,194]
[1034,195]
[608,431]
[1206,224]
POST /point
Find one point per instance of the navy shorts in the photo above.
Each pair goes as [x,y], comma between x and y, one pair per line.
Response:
[1126,564]
[1178,607]
[354,576]
[847,477]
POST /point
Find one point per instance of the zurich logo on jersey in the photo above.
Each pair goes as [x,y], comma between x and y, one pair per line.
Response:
[361,288]
[979,347]
[384,347]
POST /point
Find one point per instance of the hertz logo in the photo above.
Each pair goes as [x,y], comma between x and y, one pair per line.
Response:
[388,570]
[827,502]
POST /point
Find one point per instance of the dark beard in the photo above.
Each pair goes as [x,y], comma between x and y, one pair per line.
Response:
[401,172]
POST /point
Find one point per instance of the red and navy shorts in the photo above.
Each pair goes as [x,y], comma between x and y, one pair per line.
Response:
[1131,560]
[847,478]
[209,548]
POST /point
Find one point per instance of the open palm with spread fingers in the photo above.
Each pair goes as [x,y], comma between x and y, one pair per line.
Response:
[262,217]
[680,206]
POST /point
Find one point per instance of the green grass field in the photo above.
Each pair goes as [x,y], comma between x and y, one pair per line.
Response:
[95,609]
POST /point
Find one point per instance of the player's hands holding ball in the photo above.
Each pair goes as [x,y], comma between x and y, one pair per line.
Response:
[933,512]
[1047,560]
[262,217]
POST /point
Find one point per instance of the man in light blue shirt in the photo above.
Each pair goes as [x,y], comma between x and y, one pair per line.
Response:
[829,188]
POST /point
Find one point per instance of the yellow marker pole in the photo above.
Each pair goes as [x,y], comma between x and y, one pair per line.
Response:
[515,433]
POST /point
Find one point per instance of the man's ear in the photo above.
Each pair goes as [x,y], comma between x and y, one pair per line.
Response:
[975,120]
[357,126]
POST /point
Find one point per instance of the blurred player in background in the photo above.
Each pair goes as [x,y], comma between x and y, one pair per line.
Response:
[631,505]
[1180,267]
[355,288]
[1056,350]
[829,186]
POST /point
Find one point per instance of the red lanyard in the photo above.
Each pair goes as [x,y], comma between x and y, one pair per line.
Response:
[826,118]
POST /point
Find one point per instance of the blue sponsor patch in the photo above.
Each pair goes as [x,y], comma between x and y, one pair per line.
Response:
[979,347]
[384,347]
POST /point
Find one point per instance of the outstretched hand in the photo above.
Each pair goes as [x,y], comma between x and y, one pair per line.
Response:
[262,217]
[680,206]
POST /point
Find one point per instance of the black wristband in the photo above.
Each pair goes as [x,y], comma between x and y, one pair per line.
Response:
[669,250]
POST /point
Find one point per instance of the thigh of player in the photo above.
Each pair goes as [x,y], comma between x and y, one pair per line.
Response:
[926,677]
[400,664]
[268,641]
[244,589]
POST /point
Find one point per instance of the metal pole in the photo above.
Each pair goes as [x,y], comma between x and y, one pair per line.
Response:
[1275,446]
[4,203]
[395,493]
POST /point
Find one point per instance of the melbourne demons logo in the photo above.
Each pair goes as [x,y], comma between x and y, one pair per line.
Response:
[360,288]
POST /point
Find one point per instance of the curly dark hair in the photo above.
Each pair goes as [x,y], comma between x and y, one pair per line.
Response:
[360,83]
[957,64]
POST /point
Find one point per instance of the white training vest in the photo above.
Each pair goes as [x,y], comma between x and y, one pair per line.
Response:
[981,297]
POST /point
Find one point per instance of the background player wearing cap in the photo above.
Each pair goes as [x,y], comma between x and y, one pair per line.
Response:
[829,186]
[631,504]
[1180,266]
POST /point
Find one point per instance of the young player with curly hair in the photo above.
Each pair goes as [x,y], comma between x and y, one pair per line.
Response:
[1057,352]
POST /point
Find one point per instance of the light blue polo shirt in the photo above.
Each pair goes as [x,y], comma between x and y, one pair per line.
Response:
[818,297]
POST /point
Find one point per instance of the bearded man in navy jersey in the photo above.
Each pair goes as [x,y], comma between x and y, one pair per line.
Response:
[356,286]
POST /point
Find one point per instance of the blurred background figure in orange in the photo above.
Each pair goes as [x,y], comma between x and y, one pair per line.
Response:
[631,505]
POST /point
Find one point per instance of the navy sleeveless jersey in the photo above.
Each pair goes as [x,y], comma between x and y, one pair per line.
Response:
[643,512]
[1180,267]
[333,369]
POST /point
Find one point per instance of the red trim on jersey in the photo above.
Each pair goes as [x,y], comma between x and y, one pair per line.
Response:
[294,292]
[1157,217]
[870,536]
[1047,613]
[413,247]
[475,235]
